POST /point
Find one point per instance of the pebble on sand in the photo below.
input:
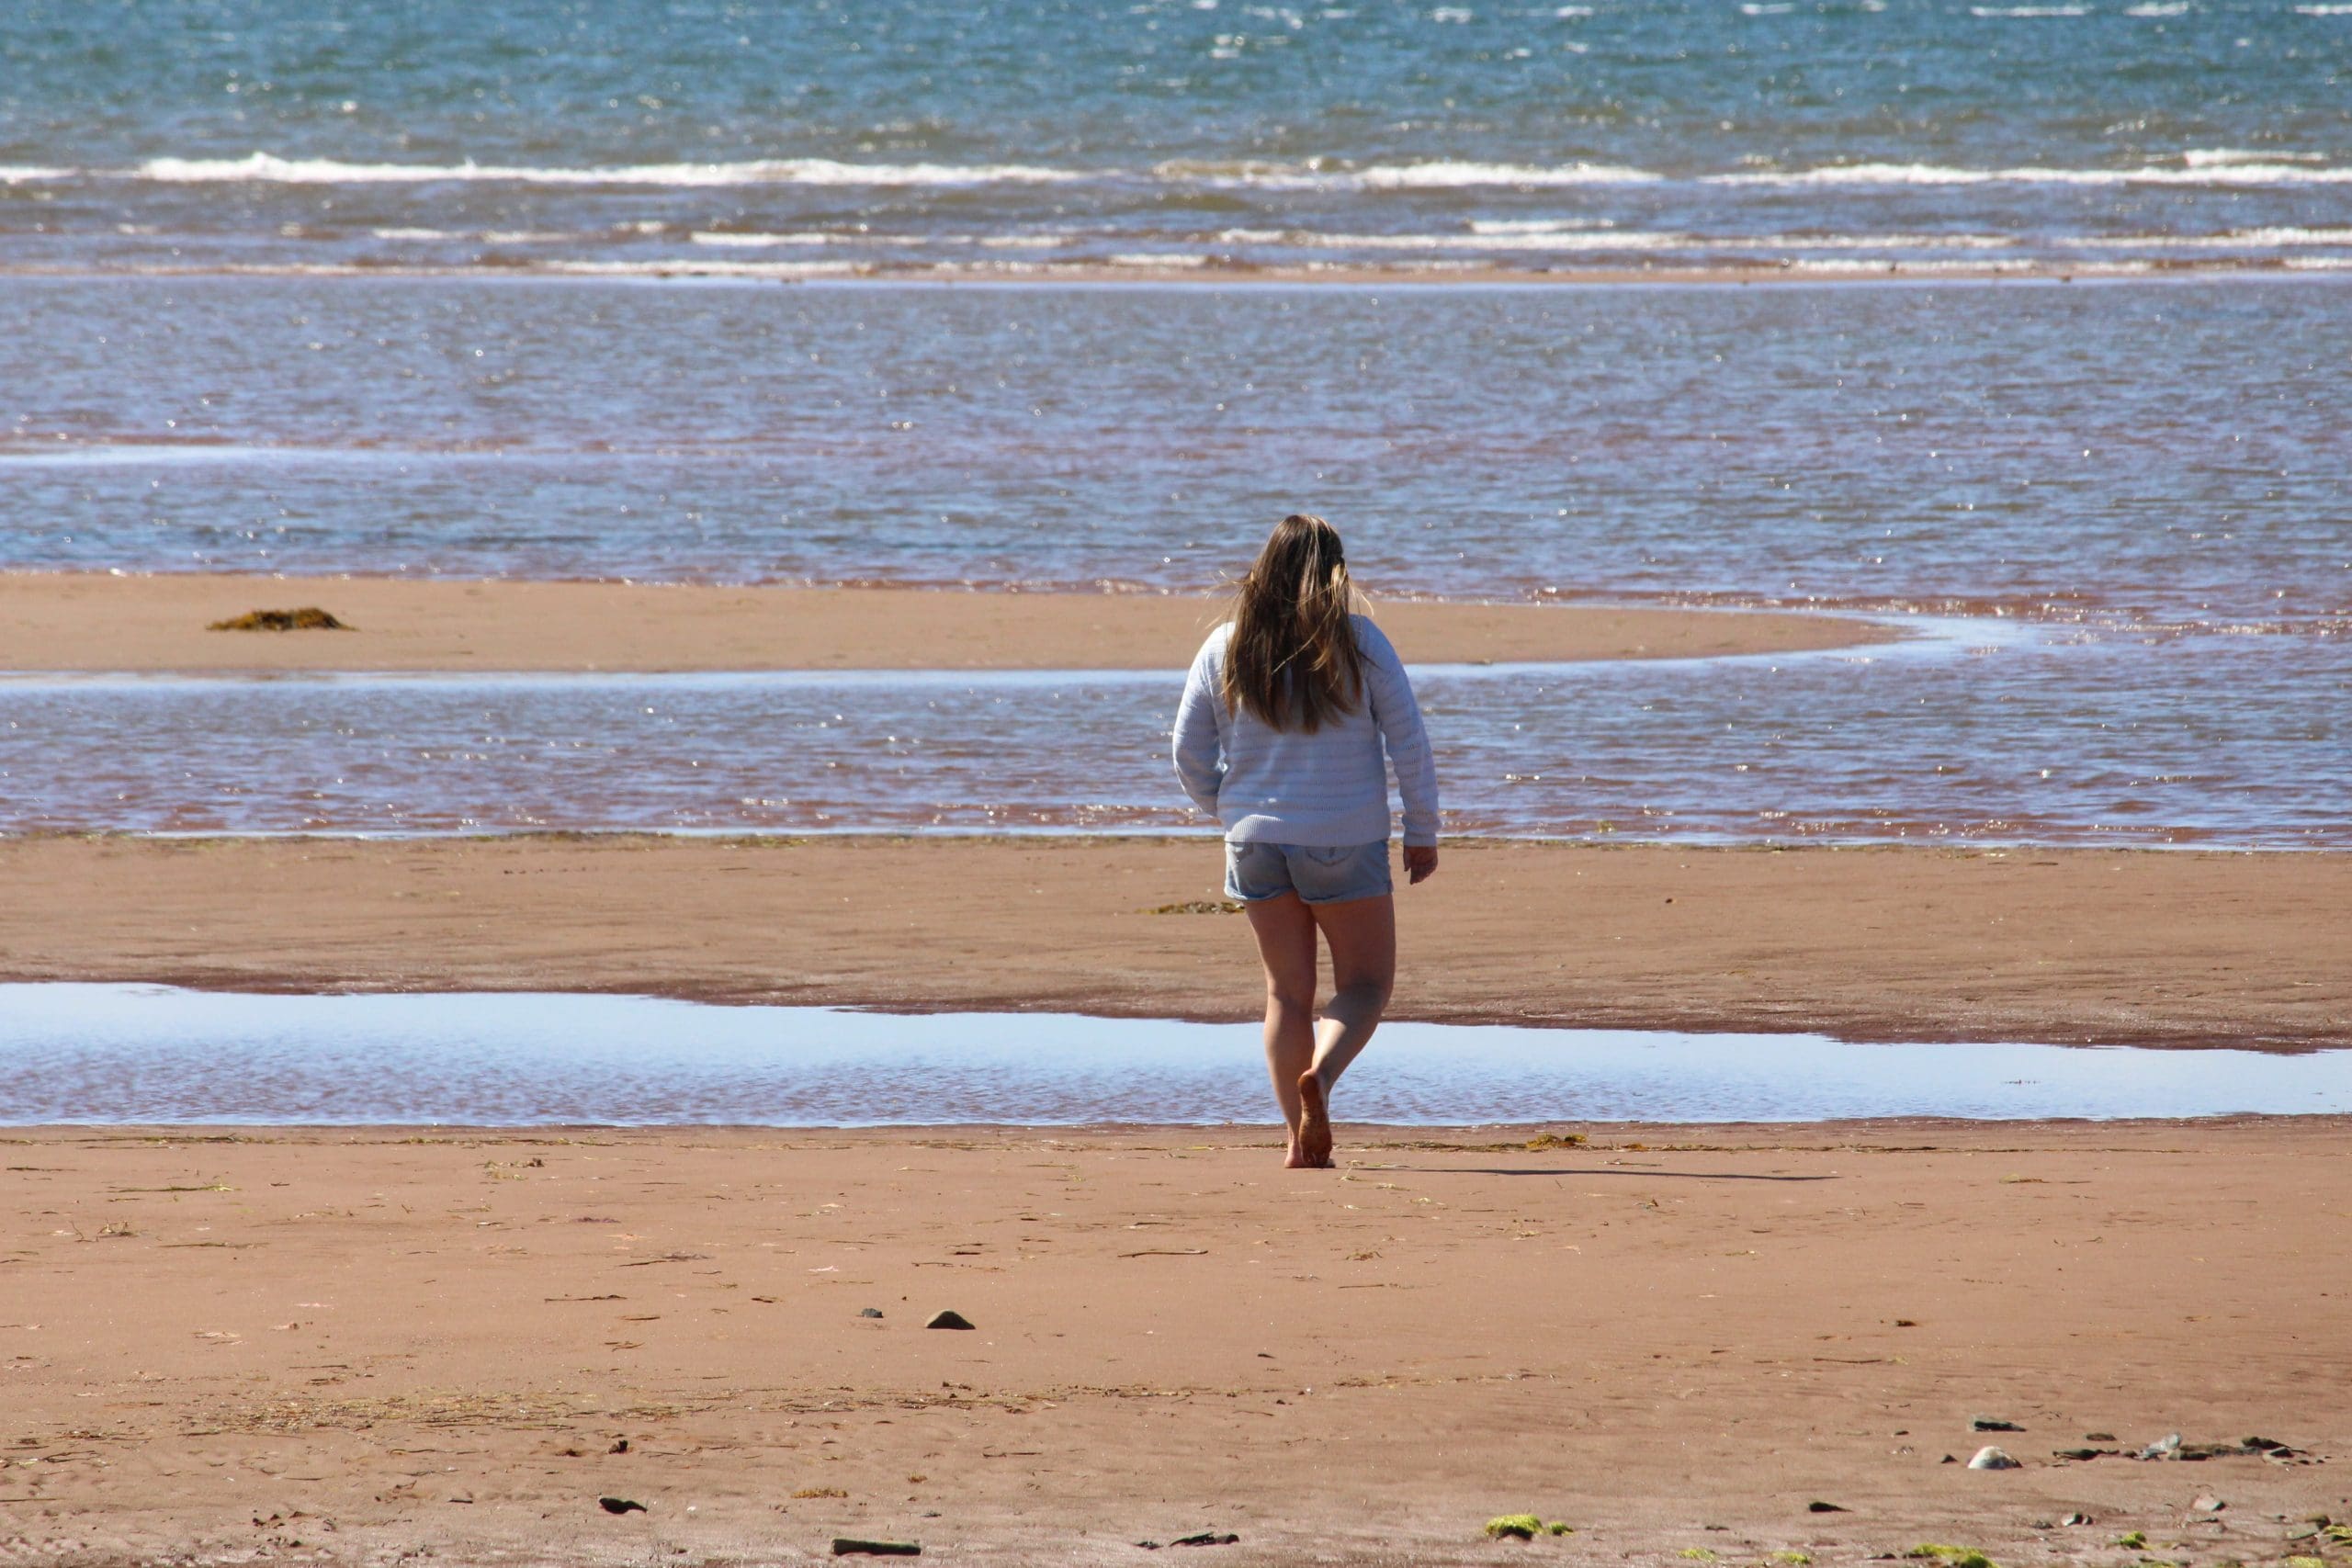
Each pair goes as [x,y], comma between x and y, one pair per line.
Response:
[1990,1458]
[949,1318]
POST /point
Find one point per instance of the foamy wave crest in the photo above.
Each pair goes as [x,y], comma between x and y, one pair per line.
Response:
[2243,157]
[1447,173]
[268,168]
[2029,10]
[1435,175]
[2234,240]
[23,174]
[2266,173]
[2159,9]
[2324,10]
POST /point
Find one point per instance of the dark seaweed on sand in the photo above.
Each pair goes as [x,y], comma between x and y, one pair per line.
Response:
[310,618]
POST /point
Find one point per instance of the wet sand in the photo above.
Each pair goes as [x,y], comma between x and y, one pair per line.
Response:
[2151,947]
[284,1346]
[96,621]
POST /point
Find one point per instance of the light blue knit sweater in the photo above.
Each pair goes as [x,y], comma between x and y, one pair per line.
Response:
[1289,788]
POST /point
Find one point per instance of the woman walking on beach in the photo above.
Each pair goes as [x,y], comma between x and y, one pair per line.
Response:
[1279,737]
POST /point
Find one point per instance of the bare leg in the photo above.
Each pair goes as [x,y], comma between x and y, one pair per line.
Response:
[1362,936]
[1285,933]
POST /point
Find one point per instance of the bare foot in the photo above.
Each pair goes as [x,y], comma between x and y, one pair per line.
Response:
[1314,1124]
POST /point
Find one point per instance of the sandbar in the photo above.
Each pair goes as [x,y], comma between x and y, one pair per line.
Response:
[75,621]
[2062,946]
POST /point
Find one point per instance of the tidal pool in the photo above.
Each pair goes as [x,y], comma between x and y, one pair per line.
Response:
[129,1053]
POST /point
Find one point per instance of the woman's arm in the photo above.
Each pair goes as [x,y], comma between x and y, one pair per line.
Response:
[1198,764]
[1399,717]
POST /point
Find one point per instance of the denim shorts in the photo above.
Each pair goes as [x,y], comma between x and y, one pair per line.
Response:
[1316,872]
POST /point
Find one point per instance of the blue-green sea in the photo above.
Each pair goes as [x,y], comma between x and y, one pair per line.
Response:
[814,137]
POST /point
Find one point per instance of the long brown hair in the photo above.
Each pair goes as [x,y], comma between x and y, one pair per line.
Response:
[1293,661]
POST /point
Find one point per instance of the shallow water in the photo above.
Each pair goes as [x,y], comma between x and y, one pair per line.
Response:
[142,1053]
[646,134]
[2113,456]
[2158,478]
[2015,741]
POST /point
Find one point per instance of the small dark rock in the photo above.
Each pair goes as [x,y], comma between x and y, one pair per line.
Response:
[620,1505]
[1948,1458]
[2079,1453]
[1206,1537]
[849,1546]
[2098,1436]
[620,1446]
[1993,1424]
[949,1319]
[1818,1506]
[2077,1519]
[869,1312]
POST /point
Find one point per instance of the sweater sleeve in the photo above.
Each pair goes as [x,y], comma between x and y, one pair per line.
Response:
[1199,766]
[1398,718]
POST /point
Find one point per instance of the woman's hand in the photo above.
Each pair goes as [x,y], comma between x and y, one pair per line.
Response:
[1421,862]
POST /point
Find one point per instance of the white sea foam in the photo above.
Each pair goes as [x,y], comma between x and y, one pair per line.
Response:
[268,168]
[415,234]
[759,242]
[2205,167]
[2278,173]
[25,173]
[2029,10]
[2243,157]
[2234,240]
[2197,168]
[2324,10]
[2159,8]
[1752,8]
[1444,172]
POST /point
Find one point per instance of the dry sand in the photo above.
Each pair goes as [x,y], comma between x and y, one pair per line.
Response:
[378,1347]
[2152,947]
[96,621]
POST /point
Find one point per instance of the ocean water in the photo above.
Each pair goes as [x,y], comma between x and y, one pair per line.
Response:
[824,136]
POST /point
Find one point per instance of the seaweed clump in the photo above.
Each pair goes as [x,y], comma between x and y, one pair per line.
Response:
[1957,1556]
[308,619]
